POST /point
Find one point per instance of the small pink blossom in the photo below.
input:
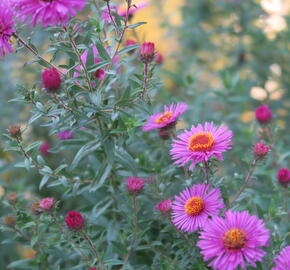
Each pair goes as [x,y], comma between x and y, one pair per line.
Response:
[147,52]
[260,150]
[44,148]
[159,59]
[51,80]
[164,207]
[263,114]
[46,203]
[134,184]
[283,176]
[65,135]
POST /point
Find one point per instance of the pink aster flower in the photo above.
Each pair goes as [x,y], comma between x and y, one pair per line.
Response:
[7,27]
[65,135]
[48,12]
[164,207]
[233,241]
[166,119]
[200,143]
[44,148]
[263,114]
[260,150]
[192,208]
[282,261]
[134,184]
[46,203]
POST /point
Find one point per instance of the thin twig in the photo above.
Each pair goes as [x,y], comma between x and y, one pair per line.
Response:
[111,17]
[206,171]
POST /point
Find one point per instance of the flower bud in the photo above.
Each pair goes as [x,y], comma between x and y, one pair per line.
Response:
[164,134]
[147,52]
[14,131]
[134,184]
[164,207]
[43,149]
[51,80]
[46,203]
[263,114]
[283,176]
[159,59]
[9,221]
[260,150]
[74,220]
[11,198]
[35,208]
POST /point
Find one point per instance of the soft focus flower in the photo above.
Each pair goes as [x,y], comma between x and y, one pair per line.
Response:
[12,197]
[14,131]
[7,27]
[282,262]
[283,176]
[193,207]
[263,114]
[74,220]
[106,16]
[200,143]
[159,58]
[130,42]
[9,221]
[92,268]
[233,241]
[35,208]
[66,135]
[166,119]
[51,80]
[48,12]
[123,11]
[147,52]
[260,150]
[134,184]
[164,207]
[46,203]
[44,147]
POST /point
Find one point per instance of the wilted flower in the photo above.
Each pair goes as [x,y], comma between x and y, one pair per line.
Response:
[164,207]
[283,176]
[192,208]
[46,203]
[159,58]
[7,27]
[260,150]
[14,131]
[9,220]
[282,261]
[48,12]
[233,241]
[200,143]
[44,147]
[35,208]
[11,197]
[134,184]
[74,220]
[147,52]
[65,135]
[263,114]
[51,80]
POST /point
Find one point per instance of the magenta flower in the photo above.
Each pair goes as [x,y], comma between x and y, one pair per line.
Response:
[106,16]
[65,135]
[164,207]
[48,12]
[233,241]
[193,207]
[159,58]
[260,150]
[263,114]
[51,80]
[283,176]
[166,119]
[282,261]
[7,27]
[44,148]
[134,184]
[147,52]
[200,143]
[46,203]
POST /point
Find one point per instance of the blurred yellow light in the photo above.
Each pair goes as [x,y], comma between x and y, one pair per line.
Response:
[247,116]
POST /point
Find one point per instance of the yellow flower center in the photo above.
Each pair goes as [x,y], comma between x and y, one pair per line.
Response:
[194,206]
[235,239]
[201,141]
[163,118]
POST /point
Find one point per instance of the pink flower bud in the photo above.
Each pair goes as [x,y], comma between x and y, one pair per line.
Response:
[43,149]
[164,207]
[51,80]
[134,184]
[74,220]
[46,203]
[283,176]
[65,135]
[263,114]
[14,131]
[159,59]
[147,52]
[260,150]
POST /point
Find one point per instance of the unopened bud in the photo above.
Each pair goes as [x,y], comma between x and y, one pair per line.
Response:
[260,150]
[147,52]
[14,131]
[9,221]
[11,197]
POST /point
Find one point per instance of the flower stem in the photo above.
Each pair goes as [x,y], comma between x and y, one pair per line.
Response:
[111,17]
[206,171]
[95,252]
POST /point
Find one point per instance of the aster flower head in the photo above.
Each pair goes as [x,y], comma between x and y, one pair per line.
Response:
[164,207]
[74,220]
[46,203]
[147,52]
[134,184]
[7,27]
[263,114]
[260,150]
[200,143]
[234,241]
[283,176]
[282,261]
[165,119]
[192,208]
[48,12]
[51,80]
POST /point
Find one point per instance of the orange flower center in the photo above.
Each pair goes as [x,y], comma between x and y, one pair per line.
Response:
[194,206]
[235,239]
[201,141]
[163,118]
